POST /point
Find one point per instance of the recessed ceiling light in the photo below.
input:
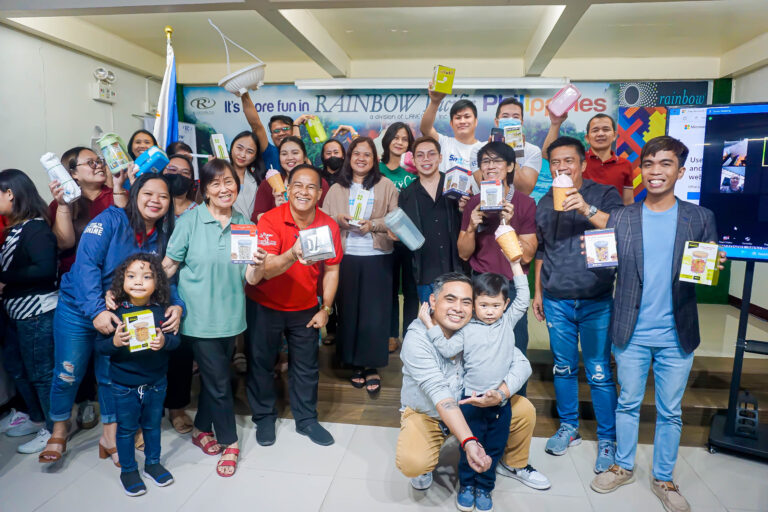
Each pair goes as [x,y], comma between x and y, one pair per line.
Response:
[393,30]
[349,31]
[405,31]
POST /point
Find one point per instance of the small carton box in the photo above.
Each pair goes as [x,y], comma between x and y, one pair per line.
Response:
[700,263]
[600,248]
[513,135]
[243,242]
[316,131]
[317,244]
[491,195]
[141,326]
[457,182]
[358,204]
[442,79]
[219,146]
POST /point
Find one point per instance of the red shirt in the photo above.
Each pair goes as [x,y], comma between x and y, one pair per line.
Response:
[295,289]
[3,225]
[265,201]
[103,201]
[488,256]
[616,171]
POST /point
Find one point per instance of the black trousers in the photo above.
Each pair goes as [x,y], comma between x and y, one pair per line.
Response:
[365,308]
[87,389]
[179,390]
[266,328]
[215,407]
[402,273]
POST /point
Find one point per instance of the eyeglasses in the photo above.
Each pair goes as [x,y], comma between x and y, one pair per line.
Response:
[175,170]
[486,162]
[278,131]
[93,164]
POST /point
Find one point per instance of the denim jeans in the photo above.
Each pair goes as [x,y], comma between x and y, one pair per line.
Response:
[491,427]
[74,340]
[29,352]
[139,406]
[671,367]
[570,322]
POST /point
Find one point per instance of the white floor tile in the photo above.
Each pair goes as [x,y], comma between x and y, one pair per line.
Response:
[523,502]
[371,455]
[353,495]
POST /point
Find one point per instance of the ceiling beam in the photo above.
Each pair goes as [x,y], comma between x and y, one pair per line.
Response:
[306,32]
[554,28]
[742,59]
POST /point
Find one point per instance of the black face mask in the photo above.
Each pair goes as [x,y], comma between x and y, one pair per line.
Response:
[179,184]
[333,163]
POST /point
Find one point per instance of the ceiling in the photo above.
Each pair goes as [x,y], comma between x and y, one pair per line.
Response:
[582,39]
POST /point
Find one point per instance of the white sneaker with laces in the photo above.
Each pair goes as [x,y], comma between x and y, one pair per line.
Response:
[24,426]
[527,475]
[9,419]
[37,444]
[422,482]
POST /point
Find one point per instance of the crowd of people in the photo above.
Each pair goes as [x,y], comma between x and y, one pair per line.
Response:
[73,274]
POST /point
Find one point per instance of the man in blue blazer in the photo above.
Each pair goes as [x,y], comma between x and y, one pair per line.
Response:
[655,319]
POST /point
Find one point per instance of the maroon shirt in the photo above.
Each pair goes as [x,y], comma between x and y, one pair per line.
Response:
[616,171]
[103,201]
[488,256]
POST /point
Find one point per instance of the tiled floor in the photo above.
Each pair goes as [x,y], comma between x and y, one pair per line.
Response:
[356,474]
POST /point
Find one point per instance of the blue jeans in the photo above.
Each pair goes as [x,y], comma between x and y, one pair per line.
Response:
[29,360]
[570,322]
[491,427]
[74,340]
[136,407]
[671,367]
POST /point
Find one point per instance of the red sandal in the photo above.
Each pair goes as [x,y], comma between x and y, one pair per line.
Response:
[208,448]
[228,463]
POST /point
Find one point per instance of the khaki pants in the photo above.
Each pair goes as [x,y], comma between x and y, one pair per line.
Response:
[420,439]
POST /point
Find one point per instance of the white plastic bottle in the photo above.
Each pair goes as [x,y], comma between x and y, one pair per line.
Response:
[56,171]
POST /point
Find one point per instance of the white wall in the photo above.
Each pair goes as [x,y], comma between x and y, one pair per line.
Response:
[46,105]
[747,88]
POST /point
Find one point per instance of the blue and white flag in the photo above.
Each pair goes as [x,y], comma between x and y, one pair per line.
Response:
[167,118]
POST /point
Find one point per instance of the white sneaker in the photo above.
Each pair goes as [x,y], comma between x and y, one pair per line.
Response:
[527,475]
[23,426]
[422,482]
[13,418]
[37,444]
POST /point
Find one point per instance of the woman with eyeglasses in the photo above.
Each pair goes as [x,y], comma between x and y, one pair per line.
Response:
[244,155]
[358,202]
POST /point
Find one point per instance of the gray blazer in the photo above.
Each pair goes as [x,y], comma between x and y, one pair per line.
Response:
[694,223]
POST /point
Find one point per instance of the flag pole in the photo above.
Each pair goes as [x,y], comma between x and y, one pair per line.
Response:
[168,31]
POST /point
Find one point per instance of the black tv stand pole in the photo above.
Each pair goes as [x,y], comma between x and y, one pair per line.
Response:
[722,432]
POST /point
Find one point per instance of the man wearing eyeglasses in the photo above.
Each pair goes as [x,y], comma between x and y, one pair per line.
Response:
[280,127]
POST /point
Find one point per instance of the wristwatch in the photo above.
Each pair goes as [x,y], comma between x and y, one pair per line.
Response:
[327,309]
[503,394]
[592,211]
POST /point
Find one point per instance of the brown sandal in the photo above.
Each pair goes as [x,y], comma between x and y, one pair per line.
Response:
[181,423]
[49,456]
[108,452]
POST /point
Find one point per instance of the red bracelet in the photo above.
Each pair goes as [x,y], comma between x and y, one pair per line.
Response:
[471,438]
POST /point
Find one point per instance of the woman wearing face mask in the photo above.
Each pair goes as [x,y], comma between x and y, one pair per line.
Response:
[333,158]
[144,225]
[292,153]
[214,319]
[244,155]
[140,141]
[180,177]
[366,270]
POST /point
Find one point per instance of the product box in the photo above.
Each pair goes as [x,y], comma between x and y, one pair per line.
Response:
[458,182]
[141,326]
[243,242]
[497,135]
[600,248]
[316,131]
[219,146]
[491,195]
[700,263]
[442,79]
[317,244]
[357,205]
[513,135]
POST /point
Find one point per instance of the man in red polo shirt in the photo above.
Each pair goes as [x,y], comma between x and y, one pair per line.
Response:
[603,165]
[285,303]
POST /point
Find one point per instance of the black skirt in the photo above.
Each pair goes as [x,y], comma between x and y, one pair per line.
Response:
[365,308]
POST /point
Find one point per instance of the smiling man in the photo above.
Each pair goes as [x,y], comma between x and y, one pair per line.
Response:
[576,301]
[285,302]
[655,319]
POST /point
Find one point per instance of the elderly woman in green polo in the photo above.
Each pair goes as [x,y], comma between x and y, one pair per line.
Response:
[199,250]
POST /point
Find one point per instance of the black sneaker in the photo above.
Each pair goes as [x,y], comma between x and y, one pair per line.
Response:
[265,431]
[158,474]
[316,433]
[132,483]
